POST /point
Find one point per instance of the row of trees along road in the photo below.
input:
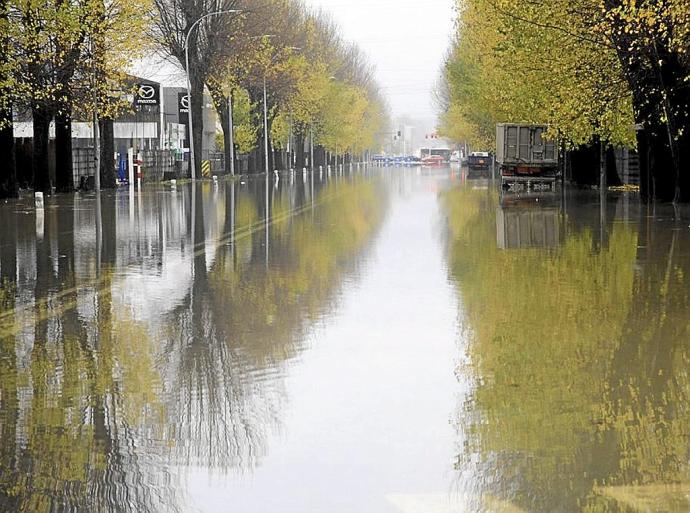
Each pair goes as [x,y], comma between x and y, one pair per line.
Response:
[609,71]
[60,58]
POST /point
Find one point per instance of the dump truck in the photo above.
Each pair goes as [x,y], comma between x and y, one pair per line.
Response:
[525,156]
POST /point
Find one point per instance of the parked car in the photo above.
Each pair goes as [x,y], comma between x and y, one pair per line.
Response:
[433,160]
[479,161]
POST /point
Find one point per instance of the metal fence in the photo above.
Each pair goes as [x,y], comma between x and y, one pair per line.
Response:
[158,165]
[83,165]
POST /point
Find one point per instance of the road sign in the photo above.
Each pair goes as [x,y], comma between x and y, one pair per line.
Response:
[206,168]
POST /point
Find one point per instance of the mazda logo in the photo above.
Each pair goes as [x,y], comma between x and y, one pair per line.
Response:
[184,101]
[146,92]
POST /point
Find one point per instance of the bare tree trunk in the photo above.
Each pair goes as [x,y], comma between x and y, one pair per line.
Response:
[656,74]
[8,176]
[64,179]
[197,110]
[41,121]
[221,103]
[108,171]
[299,148]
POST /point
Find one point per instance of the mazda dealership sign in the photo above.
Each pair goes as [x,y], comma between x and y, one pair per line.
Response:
[183,108]
[147,94]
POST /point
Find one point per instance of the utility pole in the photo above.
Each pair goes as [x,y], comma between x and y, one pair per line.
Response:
[232,136]
[96,134]
[311,147]
[265,130]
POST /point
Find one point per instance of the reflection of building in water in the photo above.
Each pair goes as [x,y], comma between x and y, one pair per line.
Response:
[528,226]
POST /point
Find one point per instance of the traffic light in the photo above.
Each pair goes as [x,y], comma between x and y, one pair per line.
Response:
[399,133]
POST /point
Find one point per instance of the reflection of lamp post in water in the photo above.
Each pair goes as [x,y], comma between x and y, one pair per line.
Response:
[267,216]
[189,82]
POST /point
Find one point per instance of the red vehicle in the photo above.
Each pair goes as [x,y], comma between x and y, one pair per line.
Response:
[433,160]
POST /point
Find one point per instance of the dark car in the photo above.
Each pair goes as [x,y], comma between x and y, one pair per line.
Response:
[479,160]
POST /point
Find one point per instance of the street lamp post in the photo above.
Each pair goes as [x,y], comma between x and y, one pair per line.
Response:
[189,83]
[265,128]
[311,147]
[232,136]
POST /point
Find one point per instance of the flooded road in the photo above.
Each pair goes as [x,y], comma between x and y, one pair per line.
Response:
[388,340]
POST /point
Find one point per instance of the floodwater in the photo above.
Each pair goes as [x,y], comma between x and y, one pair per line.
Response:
[377,340]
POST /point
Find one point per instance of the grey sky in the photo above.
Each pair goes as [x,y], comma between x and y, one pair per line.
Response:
[406,41]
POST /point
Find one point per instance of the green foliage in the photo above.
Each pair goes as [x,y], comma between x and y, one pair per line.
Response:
[61,51]
[245,130]
[546,62]
[315,84]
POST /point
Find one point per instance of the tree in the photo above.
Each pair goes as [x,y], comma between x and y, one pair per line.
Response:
[70,57]
[305,65]
[171,29]
[8,176]
[651,39]
[602,69]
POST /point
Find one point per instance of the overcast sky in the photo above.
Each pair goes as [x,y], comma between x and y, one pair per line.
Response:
[404,39]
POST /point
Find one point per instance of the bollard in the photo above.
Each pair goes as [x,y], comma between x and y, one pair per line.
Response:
[40,219]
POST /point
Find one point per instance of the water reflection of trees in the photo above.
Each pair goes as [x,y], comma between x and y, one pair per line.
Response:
[156,348]
[243,320]
[72,402]
[579,358]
